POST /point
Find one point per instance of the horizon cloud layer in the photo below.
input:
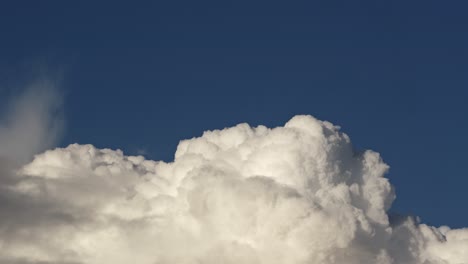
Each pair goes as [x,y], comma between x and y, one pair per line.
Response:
[298,193]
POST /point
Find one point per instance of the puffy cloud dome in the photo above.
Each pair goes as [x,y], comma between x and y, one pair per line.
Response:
[286,195]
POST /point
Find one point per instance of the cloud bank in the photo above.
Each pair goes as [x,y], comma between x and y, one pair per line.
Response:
[294,194]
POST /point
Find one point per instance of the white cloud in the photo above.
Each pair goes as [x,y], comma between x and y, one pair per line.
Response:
[292,194]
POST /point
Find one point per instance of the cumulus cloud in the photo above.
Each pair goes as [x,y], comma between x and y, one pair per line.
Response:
[298,193]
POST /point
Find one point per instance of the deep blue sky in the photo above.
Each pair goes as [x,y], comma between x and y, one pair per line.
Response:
[393,74]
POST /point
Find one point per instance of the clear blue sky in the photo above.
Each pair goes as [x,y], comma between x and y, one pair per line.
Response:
[143,76]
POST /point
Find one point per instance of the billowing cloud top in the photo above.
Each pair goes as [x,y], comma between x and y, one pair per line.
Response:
[241,195]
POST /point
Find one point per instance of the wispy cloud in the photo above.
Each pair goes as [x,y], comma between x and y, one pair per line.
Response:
[32,121]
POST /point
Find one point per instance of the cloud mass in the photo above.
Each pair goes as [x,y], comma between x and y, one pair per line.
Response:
[293,194]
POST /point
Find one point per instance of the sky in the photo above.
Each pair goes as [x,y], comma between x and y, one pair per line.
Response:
[141,77]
